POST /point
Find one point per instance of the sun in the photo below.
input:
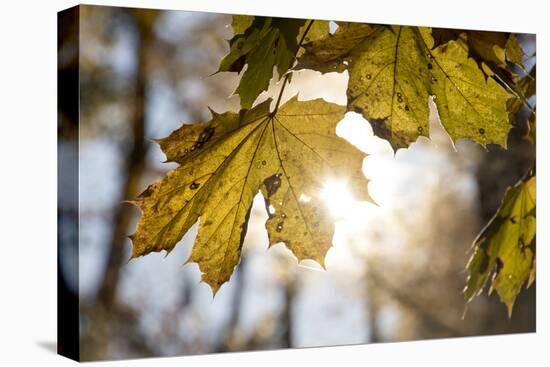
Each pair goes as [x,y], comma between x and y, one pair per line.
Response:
[338,198]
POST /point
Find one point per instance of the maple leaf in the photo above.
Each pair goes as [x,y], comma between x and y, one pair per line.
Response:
[318,29]
[470,105]
[388,76]
[224,163]
[494,49]
[240,23]
[505,248]
[393,70]
[525,87]
[490,46]
[514,52]
[267,42]
[263,43]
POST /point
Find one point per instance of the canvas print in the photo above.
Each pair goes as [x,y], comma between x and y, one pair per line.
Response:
[243,182]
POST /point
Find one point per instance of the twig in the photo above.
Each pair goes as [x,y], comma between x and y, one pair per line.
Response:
[287,76]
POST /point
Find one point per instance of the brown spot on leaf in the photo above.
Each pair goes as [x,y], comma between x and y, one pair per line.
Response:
[148,191]
[380,129]
[206,134]
[272,184]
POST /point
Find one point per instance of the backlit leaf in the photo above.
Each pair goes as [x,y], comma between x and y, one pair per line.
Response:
[389,83]
[505,249]
[265,44]
[394,70]
[225,162]
[524,89]
[470,105]
[333,51]
[490,46]
[240,23]
[495,49]
[514,52]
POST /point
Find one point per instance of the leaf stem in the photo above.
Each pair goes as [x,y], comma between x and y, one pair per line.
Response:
[288,74]
[285,81]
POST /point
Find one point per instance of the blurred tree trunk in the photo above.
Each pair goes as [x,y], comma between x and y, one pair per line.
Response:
[230,340]
[287,315]
[372,306]
[100,323]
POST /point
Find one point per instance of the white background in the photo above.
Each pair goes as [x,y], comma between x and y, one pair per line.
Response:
[28,182]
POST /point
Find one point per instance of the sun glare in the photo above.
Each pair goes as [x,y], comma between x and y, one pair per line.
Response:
[338,198]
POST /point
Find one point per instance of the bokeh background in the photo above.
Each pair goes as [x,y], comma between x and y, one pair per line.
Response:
[396,270]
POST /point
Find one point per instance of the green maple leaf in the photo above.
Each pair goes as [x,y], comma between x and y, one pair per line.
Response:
[495,49]
[225,162]
[505,248]
[388,77]
[525,88]
[240,23]
[470,104]
[262,44]
[514,52]
[490,46]
[266,43]
[394,70]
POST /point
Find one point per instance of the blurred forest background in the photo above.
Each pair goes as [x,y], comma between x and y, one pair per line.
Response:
[396,270]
